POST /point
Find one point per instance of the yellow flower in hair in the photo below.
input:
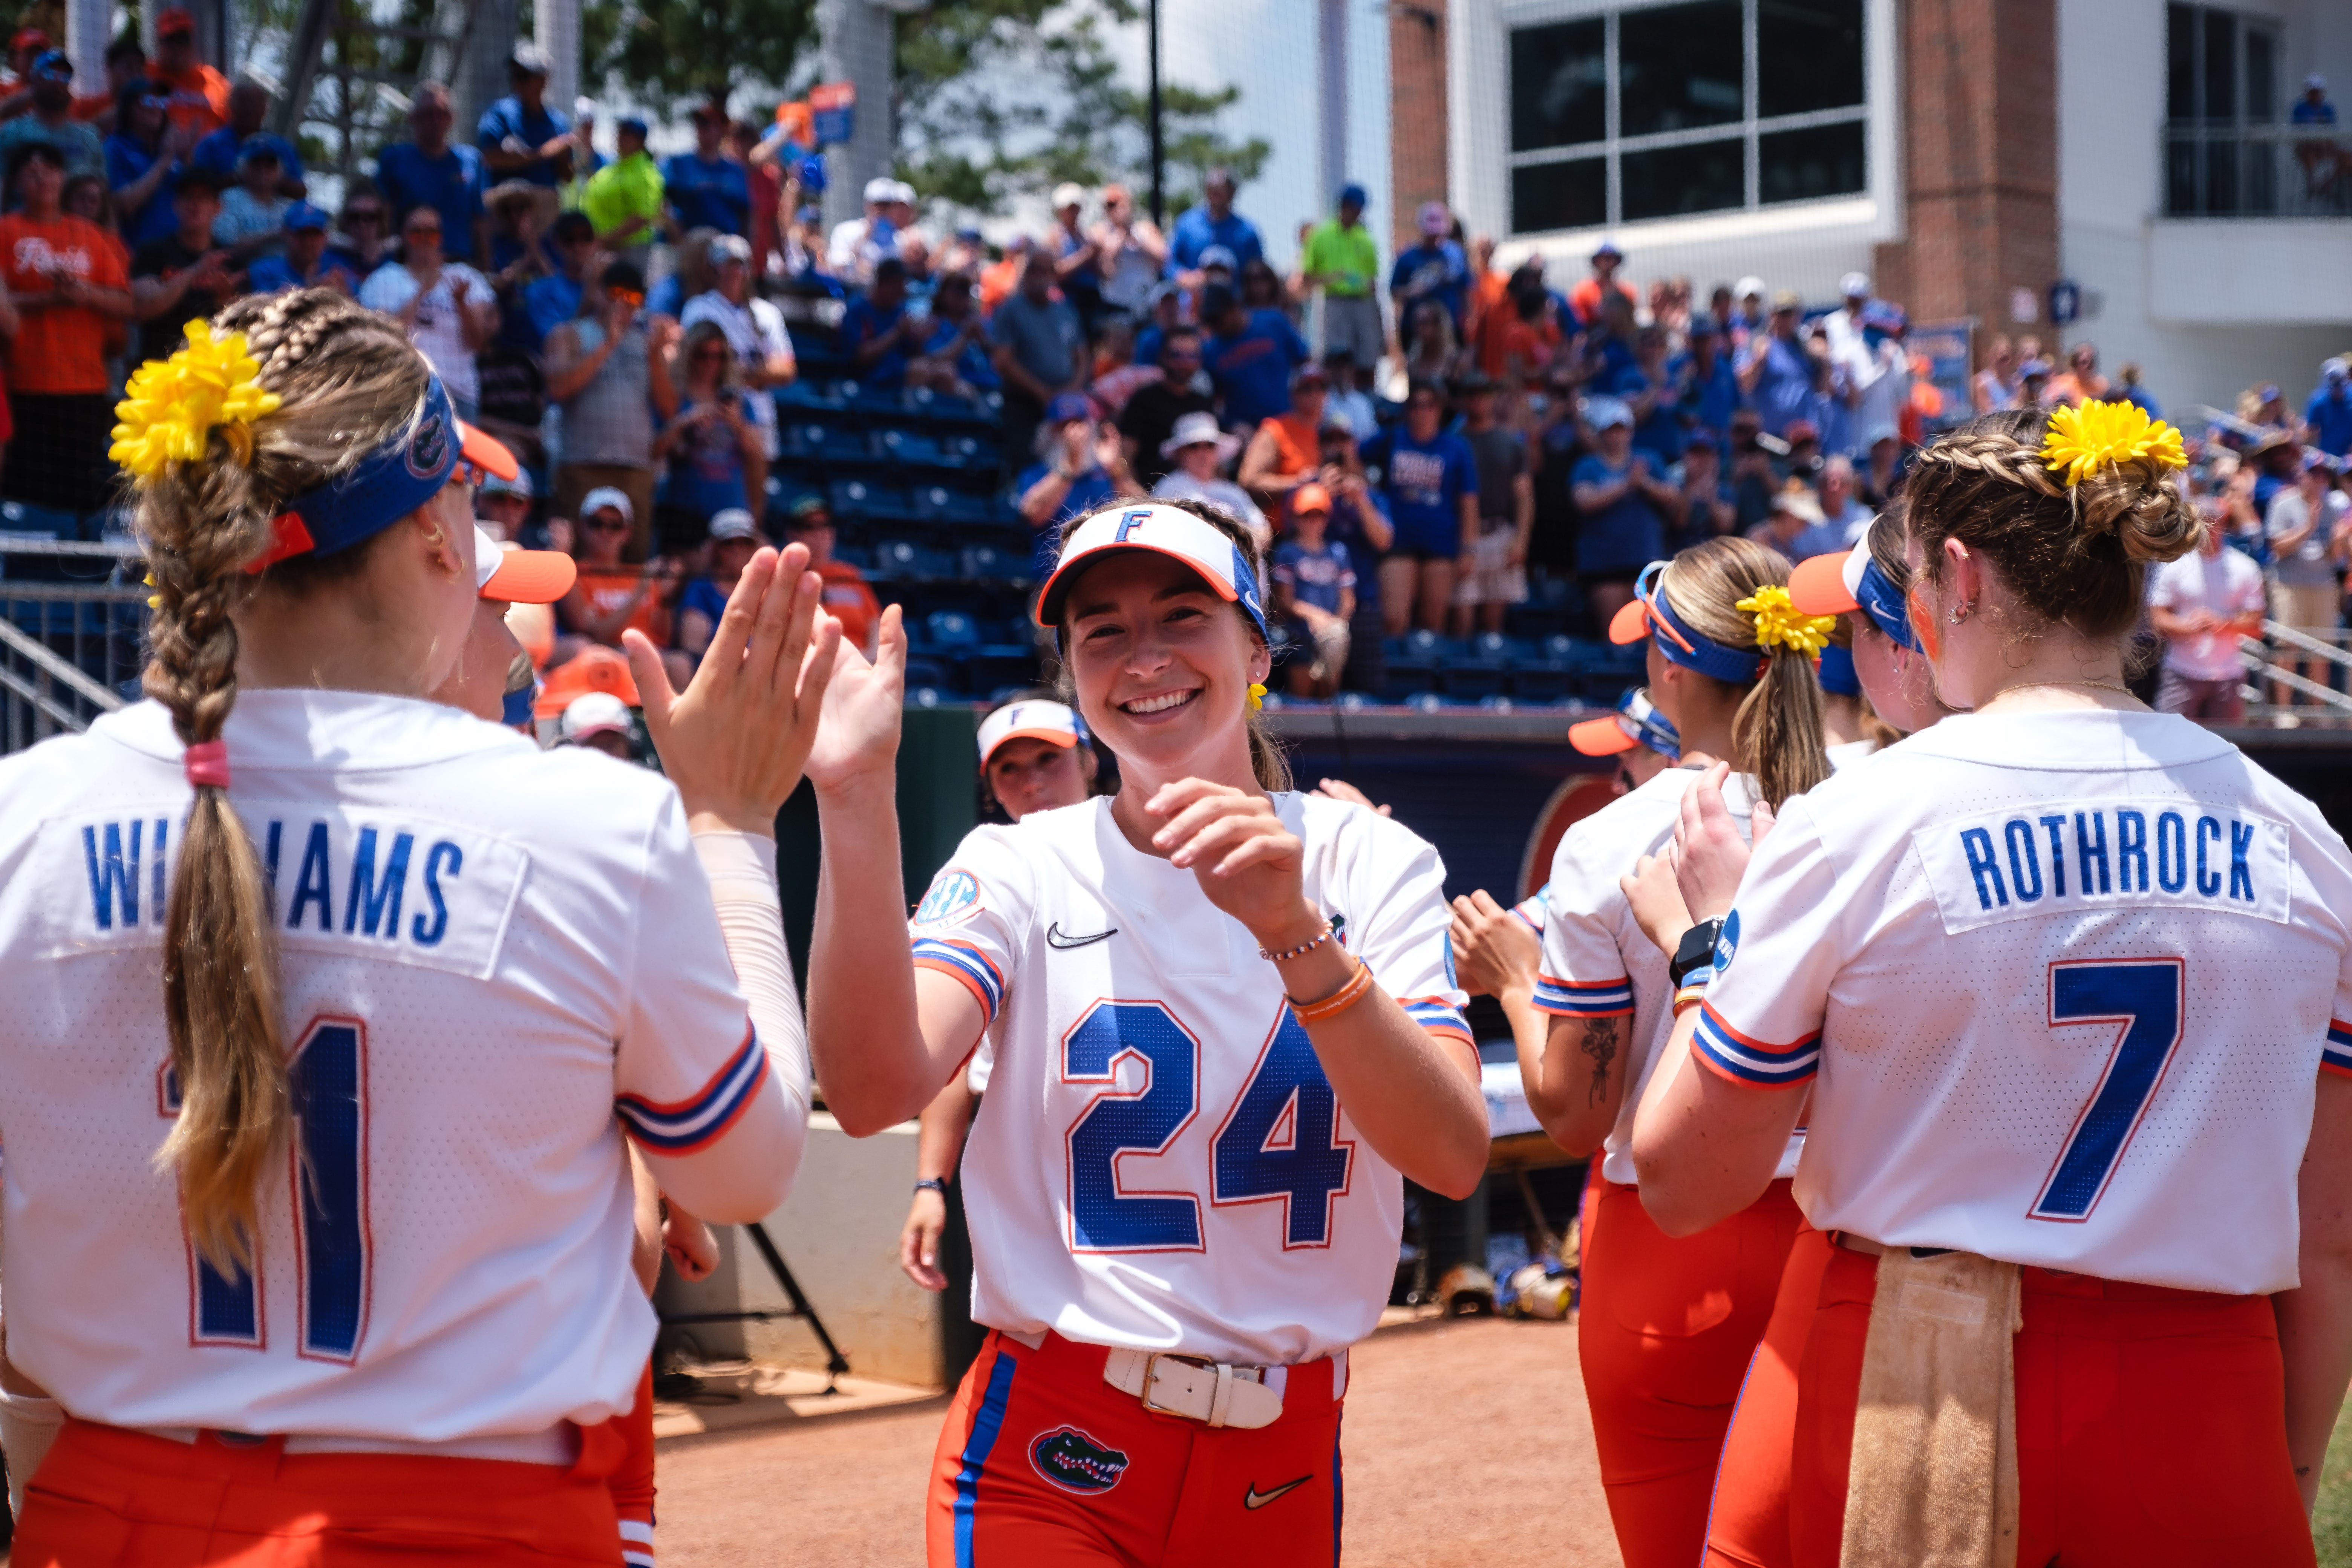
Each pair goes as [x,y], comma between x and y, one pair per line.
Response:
[1257,696]
[172,406]
[1779,625]
[2082,441]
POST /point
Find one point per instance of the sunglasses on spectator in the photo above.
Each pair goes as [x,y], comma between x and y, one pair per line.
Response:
[630,297]
[599,525]
[432,228]
[364,215]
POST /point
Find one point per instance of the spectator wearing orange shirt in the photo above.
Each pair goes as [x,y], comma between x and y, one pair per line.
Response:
[1585,298]
[68,280]
[1285,450]
[846,598]
[199,94]
[611,597]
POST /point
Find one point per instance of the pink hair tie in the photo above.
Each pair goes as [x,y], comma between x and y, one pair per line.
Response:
[207,764]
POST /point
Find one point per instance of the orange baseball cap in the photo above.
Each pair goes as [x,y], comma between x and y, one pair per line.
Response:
[596,669]
[1310,496]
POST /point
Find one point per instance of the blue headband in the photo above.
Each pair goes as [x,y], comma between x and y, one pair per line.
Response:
[394,480]
[1838,677]
[1680,644]
[1878,599]
[1651,728]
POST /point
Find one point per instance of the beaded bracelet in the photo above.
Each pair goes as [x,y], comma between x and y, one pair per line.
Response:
[1299,951]
[1340,1001]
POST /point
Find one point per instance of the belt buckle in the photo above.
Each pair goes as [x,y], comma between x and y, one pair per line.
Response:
[1150,1366]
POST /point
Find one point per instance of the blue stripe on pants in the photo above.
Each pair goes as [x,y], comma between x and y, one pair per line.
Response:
[1339,1495]
[984,1428]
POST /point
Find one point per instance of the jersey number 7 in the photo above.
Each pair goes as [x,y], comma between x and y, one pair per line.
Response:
[328,1078]
[2143,996]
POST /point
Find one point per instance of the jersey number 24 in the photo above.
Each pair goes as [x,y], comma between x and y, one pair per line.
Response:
[1277,1142]
[328,1078]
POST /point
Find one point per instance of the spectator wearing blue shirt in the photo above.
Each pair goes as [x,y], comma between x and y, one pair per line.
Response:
[1081,466]
[2129,388]
[1709,389]
[734,539]
[142,162]
[954,357]
[432,171]
[1656,400]
[1778,377]
[305,263]
[1626,506]
[1433,269]
[878,330]
[51,121]
[705,188]
[519,136]
[1429,480]
[1213,223]
[223,151]
[548,302]
[1315,584]
[1249,359]
[2327,415]
[1710,508]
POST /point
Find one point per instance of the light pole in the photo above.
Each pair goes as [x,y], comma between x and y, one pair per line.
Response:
[1159,146]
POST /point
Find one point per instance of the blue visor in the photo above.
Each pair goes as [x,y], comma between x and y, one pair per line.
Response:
[1838,677]
[1679,643]
[1651,728]
[1878,598]
[394,480]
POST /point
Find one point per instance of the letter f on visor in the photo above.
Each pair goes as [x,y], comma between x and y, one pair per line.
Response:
[1164,531]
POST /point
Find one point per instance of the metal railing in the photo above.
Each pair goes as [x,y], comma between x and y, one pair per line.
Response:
[73,620]
[2267,679]
[2257,171]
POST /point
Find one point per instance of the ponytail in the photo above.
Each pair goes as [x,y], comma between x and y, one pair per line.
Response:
[346,379]
[1777,731]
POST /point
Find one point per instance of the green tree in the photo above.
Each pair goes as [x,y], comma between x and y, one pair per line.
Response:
[999,99]
[668,53]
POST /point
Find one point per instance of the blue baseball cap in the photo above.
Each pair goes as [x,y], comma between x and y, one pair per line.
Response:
[1352,196]
[1069,405]
[302,215]
[52,65]
[635,122]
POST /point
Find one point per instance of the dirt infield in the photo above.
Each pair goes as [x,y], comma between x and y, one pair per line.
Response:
[1464,1441]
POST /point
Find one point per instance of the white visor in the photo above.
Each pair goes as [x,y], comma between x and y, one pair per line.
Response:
[1028,720]
[1170,530]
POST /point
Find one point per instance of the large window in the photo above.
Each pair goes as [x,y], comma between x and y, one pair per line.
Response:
[1707,106]
[2221,111]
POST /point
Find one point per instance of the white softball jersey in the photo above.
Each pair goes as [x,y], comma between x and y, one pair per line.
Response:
[1597,963]
[487,952]
[2061,985]
[1161,1162]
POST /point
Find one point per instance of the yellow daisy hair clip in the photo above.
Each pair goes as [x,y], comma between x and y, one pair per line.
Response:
[171,407]
[2082,441]
[1257,696]
[1779,624]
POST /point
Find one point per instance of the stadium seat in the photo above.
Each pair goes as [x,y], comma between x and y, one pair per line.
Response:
[874,402]
[808,395]
[986,563]
[927,683]
[816,443]
[907,449]
[949,629]
[905,561]
[856,498]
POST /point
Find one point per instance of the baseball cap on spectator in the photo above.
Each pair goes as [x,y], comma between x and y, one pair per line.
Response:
[1029,719]
[809,512]
[593,668]
[881,188]
[1800,430]
[519,576]
[1636,722]
[901,191]
[1787,299]
[733,522]
[196,177]
[1749,287]
[258,151]
[302,215]
[1886,317]
[2335,369]
[1200,428]
[1218,255]
[1703,325]
[28,38]
[2268,392]
[1602,412]
[731,247]
[1435,220]
[175,22]
[2315,82]
[606,497]
[52,65]
[1797,503]
[1069,194]
[515,484]
[634,121]
[1702,436]
[1310,496]
[595,713]
[1069,405]
[970,234]
[1854,286]
[1352,196]
[528,60]
[1607,248]
[2032,368]
[1310,373]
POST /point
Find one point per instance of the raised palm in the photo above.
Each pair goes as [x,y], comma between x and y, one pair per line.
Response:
[859,734]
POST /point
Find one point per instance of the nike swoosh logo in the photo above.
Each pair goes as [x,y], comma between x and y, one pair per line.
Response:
[1254,1499]
[1053,937]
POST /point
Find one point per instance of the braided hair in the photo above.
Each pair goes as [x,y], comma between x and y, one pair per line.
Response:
[348,381]
[2075,556]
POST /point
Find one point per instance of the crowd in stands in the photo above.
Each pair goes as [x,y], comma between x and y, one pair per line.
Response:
[1458,468]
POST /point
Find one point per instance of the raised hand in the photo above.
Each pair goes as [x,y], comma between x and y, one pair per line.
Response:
[735,741]
[863,708]
[1237,849]
[1710,856]
[1656,899]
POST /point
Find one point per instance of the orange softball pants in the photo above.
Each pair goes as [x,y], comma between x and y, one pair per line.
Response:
[1748,1523]
[2149,1428]
[107,1498]
[631,1481]
[1664,1334]
[1044,1465]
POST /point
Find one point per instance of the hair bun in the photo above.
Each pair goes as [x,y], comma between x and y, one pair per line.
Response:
[2145,508]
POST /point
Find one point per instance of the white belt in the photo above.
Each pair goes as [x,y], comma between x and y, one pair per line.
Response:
[555,1444]
[1219,1394]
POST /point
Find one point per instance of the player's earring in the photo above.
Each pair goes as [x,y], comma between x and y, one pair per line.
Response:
[1959,613]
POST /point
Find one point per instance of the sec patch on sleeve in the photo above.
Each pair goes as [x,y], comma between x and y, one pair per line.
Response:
[954,897]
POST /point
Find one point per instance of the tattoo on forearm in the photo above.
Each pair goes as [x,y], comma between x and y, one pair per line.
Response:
[1600,1045]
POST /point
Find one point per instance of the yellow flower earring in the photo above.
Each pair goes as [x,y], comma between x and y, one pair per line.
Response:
[1257,696]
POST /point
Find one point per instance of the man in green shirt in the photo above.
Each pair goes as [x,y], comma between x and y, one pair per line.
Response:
[624,198]
[1344,261]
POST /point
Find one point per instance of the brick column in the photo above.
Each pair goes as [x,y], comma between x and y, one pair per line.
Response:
[1980,160]
[1417,123]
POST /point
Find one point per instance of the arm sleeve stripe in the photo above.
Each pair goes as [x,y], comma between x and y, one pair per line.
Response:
[967,963]
[1438,1017]
[1744,1061]
[1584,998]
[690,1124]
[2336,1055]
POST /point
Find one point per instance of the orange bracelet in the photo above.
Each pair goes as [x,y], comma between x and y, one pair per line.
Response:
[1340,1001]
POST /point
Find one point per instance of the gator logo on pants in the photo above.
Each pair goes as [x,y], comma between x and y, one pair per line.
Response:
[1075,1462]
